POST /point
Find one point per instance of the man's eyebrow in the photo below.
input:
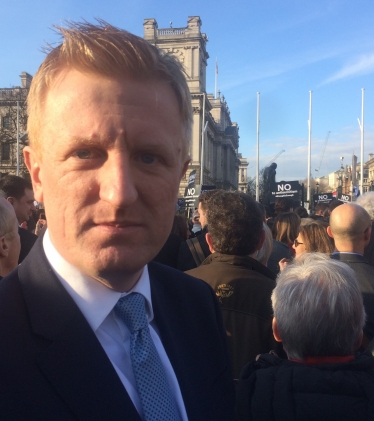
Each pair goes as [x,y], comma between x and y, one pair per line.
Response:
[89,141]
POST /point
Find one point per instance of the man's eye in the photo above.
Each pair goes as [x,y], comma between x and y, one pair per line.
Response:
[83,154]
[148,158]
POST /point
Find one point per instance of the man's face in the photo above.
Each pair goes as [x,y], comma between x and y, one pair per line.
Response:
[112,160]
[24,206]
[203,221]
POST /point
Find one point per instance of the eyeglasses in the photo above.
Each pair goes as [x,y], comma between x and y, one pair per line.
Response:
[296,243]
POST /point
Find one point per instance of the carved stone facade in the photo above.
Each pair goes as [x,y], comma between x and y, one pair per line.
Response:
[243,179]
[13,103]
[220,146]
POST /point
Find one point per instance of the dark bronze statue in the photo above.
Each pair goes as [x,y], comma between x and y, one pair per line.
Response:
[269,176]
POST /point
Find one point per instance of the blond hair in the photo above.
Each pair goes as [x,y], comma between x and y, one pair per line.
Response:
[105,50]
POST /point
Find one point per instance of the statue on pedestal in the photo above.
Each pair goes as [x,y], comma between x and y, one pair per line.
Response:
[269,177]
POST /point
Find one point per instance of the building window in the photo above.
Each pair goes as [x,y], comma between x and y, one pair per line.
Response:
[5,151]
[6,122]
[365,189]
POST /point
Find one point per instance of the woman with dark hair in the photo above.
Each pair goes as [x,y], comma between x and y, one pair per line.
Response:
[286,228]
[180,227]
[312,238]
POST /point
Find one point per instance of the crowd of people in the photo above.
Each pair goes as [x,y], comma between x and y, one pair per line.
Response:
[118,308]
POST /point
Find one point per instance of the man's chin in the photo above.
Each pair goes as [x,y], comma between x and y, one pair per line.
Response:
[116,270]
[121,280]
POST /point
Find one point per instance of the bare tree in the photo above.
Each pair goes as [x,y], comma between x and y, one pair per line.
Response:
[252,185]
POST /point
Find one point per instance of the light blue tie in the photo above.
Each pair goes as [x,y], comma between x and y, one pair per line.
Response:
[153,388]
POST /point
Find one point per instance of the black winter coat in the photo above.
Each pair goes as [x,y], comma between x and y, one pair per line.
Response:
[275,389]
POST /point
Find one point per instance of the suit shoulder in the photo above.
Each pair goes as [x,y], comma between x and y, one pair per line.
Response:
[9,282]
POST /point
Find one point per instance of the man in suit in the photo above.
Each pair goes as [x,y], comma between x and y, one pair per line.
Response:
[350,227]
[89,330]
[19,193]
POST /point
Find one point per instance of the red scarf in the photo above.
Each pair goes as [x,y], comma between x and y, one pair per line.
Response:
[325,360]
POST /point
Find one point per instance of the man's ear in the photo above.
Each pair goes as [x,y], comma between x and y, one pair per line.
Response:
[208,238]
[4,248]
[275,330]
[262,239]
[10,199]
[367,236]
[185,166]
[32,162]
[329,232]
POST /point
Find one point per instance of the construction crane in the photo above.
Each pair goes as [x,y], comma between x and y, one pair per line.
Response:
[323,153]
[273,159]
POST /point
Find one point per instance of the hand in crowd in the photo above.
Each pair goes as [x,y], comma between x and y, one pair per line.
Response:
[39,226]
[284,263]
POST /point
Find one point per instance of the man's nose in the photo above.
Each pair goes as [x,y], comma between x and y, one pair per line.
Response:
[117,182]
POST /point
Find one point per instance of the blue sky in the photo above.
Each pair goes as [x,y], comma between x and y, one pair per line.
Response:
[280,49]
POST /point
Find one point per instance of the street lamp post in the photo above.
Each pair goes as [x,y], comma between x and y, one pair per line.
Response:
[341,171]
[317,185]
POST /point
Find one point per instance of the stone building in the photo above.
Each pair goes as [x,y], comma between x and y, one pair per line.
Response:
[13,122]
[348,176]
[243,179]
[218,148]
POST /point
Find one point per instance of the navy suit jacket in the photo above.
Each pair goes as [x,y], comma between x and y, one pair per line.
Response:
[365,276]
[27,240]
[52,366]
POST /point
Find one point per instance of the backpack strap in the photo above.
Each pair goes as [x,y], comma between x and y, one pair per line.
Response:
[196,250]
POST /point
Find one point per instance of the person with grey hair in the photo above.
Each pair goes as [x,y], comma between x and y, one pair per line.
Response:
[367,202]
[10,244]
[319,317]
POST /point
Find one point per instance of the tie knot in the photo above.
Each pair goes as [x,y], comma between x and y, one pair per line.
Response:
[131,309]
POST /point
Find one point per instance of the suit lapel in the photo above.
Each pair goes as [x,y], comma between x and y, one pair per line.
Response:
[74,362]
[183,335]
[167,315]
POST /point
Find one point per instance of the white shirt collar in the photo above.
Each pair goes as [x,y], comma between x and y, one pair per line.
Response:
[347,252]
[94,299]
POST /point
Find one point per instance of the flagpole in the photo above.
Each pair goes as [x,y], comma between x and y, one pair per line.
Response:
[362,142]
[216,79]
[309,146]
[17,172]
[258,150]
